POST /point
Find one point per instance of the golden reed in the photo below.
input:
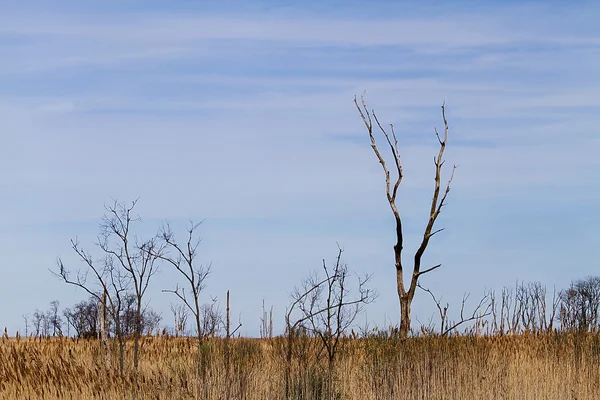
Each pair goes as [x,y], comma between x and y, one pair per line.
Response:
[526,366]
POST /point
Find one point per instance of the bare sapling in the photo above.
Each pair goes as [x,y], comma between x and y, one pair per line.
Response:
[478,315]
[327,308]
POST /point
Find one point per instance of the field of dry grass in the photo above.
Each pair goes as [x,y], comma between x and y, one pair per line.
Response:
[545,366]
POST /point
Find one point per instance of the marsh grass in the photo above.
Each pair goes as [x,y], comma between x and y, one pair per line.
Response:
[545,366]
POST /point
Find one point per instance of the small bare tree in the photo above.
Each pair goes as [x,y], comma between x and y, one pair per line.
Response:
[54,319]
[327,308]
[405,295]
[37,322]
[26,320]
[84,318]
[266,323]
[480,312]
[180,316]
[183,259]
[211,318]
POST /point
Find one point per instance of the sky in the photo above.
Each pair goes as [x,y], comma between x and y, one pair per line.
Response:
[241,114]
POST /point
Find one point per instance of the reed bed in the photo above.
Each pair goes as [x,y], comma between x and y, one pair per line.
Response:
[527,366]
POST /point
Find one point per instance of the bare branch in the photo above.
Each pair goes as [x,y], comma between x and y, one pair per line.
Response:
[437,231]
[442,310]
[429,270]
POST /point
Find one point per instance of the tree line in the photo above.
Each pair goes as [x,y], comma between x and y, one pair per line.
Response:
[82,320]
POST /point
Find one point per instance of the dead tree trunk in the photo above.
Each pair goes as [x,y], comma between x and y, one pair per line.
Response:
[405,295]
[227,350]
[104,328]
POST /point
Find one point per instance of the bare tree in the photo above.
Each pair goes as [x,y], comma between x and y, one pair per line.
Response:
[137,258]
[180,316]
[38,317]
[148,321]
[405,295]
[266,323]
[183,259]
[211,318]
[83,318]
[580,305]
[108,288]
[26,320]
[327,308]
[54,319]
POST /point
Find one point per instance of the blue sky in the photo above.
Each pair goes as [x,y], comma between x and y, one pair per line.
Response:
[241,113]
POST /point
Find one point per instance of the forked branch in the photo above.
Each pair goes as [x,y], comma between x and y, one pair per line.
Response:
[367,119]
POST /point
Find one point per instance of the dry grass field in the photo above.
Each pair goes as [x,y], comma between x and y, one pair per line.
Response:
[548,366]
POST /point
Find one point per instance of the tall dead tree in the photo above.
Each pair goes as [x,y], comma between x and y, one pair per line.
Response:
[438,201]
